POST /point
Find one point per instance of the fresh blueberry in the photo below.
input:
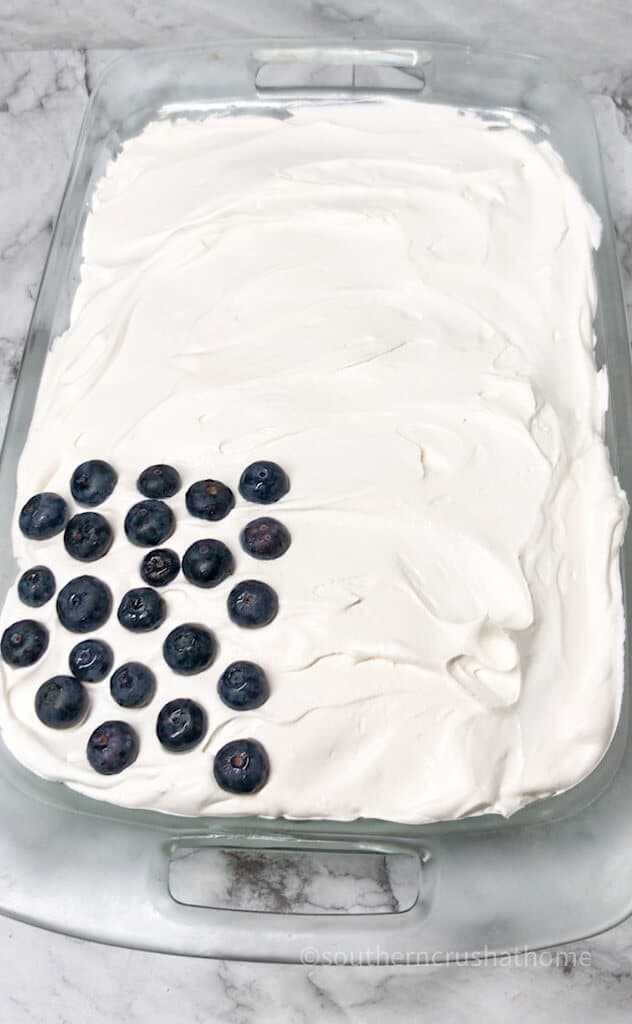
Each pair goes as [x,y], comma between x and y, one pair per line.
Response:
[207,563]
[133,685]
[160,567]
[149,523]
[159,482]
[243,686]
[36,586]
[241,766]
[189,649]
[265,538]
[141,610]
[181,724]
[84,604]
[92,482]
[90,660]
[252,604]
[88,536]
[112,747]
[209,499]
[263,482]
[23,643]
[43,516]
[61,702]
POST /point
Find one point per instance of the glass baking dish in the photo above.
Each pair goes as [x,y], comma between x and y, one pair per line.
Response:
[556,871]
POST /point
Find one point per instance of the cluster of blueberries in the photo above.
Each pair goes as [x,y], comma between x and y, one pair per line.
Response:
[85,603]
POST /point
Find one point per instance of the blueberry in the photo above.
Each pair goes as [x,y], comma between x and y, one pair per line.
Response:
[23,643]
[243,686]
[112,747]
[181,724]
[207,563]
[159,482]
[61,702]
[189,649]
[149,523]
[263,482]
[43,516]
[133,685]
[92,482]
[36,586]
[241,766]
[265,538]
[90,660]
[209,499]
[252,604]
[160,567]
[84,604]
[88,536]
[141,610]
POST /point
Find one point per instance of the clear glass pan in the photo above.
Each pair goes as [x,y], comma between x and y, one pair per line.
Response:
[558,870]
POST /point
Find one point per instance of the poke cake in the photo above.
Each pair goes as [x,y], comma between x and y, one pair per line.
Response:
[315,517]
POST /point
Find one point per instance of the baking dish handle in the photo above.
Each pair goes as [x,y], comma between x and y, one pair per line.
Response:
[283,68]
[341,54]
[307,938]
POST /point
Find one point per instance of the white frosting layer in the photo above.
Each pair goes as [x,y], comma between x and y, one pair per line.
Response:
[395,303]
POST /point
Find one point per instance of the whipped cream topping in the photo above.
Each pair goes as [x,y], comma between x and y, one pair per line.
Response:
[395,303]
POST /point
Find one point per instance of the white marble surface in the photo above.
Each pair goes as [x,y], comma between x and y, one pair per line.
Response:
[52,979]
[588,34]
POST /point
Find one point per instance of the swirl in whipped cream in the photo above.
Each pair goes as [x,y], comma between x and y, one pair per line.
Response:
[394,303]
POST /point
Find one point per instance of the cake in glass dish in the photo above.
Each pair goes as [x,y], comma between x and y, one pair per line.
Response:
[315,516]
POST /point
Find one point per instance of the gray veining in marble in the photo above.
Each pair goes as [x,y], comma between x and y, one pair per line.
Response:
[281,882]
[57,980]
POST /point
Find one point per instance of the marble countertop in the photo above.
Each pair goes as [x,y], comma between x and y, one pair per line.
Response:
[61,980]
